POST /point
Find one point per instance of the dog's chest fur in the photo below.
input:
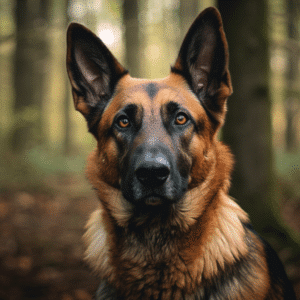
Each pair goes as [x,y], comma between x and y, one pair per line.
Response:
[154,264]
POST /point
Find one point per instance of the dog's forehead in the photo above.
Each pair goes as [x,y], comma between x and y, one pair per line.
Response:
[153,94]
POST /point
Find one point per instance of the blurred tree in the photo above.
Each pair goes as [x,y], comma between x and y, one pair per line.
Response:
[248,125]
[30,69]
[292,74]
[188,11]
[90,17]
[132,36]
[67,138]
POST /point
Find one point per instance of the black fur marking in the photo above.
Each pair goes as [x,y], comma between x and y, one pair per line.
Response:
[151,89]
[277,273]
[93,118]
[176,71]
[106,292]
[172,107]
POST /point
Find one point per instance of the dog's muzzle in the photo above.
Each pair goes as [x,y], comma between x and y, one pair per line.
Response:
[152,177]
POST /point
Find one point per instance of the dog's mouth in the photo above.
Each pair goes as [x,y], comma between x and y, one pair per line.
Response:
[154,200]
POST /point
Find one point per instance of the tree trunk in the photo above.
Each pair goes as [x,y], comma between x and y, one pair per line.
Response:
[29,75]
[132,37]
[292,88]
[248,125]
[188,11]
[67,97]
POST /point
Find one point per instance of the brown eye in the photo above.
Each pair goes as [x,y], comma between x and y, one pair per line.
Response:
[123,122]
[181,119]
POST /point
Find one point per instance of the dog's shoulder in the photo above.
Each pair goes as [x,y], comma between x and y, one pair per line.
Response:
[281,287]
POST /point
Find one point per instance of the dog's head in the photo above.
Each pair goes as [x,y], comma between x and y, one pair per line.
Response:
[156,138]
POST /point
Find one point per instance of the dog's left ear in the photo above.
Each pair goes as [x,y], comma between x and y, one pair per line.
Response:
[203,62]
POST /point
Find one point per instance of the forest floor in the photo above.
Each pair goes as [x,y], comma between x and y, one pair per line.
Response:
[41,247]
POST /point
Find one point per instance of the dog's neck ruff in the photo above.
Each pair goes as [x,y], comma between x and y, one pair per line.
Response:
[184,266]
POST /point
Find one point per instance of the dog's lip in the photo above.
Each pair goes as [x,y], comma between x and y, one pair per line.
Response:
[153,201]
[156,200]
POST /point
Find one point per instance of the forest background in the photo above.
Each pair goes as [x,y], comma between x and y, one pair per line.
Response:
[45,199]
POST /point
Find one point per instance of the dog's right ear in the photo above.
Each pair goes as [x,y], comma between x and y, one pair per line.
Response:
[92,69]
[203,62]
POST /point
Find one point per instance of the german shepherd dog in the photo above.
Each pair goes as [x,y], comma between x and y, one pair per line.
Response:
[166,227]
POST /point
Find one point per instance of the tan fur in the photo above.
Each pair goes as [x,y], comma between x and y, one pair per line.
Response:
[97,240]
[111,199]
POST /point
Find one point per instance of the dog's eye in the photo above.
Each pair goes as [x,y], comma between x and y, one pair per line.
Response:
[181,119]
[123,122]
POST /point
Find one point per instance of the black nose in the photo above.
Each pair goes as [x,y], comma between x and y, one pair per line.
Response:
[153,170]
[152,175]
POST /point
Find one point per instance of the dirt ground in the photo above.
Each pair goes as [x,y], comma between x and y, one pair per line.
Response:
[41,249]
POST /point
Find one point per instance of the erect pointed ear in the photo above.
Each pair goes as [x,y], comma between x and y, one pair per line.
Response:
[92,69]
[203,62]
